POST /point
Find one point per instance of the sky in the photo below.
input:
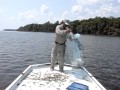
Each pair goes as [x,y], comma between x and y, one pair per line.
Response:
[17,13]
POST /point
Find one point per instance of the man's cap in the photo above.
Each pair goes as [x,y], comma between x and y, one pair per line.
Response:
[65,21]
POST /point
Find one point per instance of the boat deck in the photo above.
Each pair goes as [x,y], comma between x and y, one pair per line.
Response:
[41,78]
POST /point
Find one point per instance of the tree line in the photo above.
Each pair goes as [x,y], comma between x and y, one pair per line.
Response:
[96,26]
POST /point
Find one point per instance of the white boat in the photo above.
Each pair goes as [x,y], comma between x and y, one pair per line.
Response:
[39,77]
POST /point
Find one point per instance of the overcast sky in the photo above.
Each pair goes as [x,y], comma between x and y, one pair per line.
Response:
[16,13]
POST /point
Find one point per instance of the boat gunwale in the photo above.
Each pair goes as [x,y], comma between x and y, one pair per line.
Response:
[19,78]
[94,79]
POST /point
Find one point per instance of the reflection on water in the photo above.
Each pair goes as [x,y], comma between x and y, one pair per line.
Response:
[20,49]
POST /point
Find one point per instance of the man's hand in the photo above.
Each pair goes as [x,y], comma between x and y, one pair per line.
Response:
[68,30]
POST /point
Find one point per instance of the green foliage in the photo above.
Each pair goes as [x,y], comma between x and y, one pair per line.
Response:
[97,26]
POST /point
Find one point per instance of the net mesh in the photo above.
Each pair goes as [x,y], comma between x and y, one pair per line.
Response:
[74,52]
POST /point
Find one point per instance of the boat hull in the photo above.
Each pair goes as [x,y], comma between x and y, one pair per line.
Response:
[39,77]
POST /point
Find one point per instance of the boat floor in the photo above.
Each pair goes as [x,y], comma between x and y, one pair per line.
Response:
[41,78]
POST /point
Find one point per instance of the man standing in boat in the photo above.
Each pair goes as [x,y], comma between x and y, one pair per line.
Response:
[61,31]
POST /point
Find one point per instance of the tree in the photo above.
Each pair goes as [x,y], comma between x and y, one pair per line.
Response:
[97,25]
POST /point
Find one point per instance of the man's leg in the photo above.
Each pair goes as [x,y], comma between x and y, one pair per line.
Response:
[53,57]
[61,57]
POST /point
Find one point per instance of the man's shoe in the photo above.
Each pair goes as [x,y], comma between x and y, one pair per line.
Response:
[51,69]
[61,70]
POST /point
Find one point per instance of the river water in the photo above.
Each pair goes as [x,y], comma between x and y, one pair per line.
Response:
[18,50]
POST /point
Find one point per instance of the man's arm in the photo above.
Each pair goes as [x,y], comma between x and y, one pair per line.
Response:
[70,34]
[61,32]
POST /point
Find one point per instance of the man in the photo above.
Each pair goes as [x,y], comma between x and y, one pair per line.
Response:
[59,48]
